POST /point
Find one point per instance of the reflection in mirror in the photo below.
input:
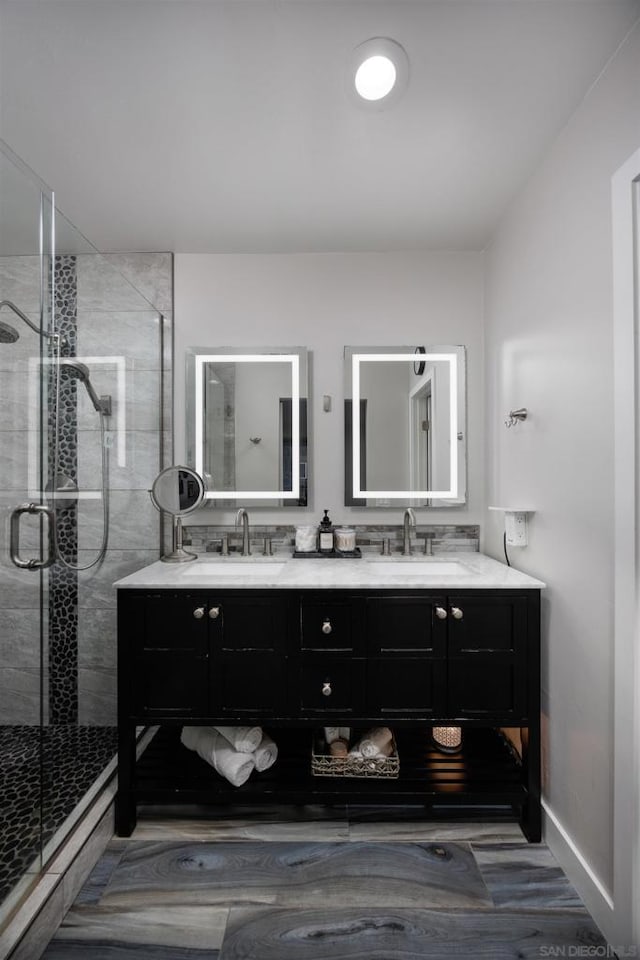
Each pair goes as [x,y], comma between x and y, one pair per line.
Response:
[178,491]
[407,442]
[247,423]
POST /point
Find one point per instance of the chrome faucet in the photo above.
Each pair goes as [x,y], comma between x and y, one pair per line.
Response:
[244,516]
[409,521]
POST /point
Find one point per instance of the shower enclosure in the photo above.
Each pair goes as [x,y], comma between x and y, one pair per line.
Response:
[84,427]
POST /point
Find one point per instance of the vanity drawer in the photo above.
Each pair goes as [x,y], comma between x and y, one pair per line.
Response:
[329,685]
[329,625]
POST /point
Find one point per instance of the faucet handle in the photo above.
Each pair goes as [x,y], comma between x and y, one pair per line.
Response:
[386,547]
[268,548]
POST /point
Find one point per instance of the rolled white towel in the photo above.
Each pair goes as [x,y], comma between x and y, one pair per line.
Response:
[242,739]
[384,751]
[234,766]
[374,741]
[216,750]
[189,736]
[266,754]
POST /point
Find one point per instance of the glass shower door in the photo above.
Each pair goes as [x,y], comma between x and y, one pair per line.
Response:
[26,545]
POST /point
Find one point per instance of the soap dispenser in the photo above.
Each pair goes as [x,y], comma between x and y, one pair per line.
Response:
[326,537]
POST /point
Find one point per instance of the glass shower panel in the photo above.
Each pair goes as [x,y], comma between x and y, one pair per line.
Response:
[110,448]
[85,373]
[25,255]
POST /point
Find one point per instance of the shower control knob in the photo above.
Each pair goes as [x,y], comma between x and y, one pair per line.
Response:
[456,613]
[198,613]
[326,689]
[214,613]
[326,627]
[441,613]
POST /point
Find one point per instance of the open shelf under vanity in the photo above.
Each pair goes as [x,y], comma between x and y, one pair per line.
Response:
[486,774]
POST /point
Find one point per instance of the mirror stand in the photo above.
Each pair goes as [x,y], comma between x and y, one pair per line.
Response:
[177,491]
[178,554]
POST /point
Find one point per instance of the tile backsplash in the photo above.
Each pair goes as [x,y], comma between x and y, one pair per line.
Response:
[445,538]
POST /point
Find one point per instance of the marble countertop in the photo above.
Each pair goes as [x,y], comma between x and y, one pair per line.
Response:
[283,572]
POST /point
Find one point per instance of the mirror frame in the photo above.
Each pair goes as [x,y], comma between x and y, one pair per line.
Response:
[356,491]
[194,475]
[196,358]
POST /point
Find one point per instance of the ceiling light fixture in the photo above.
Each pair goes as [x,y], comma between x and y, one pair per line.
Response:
[375,78]
[379,71]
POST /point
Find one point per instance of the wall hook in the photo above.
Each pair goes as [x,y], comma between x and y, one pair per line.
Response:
[516,416]
[255,439]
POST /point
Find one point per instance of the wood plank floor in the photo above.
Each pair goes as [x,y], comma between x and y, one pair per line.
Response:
[321,883]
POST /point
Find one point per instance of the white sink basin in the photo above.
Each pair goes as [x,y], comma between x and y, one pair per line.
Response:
[237,567]
[406,567]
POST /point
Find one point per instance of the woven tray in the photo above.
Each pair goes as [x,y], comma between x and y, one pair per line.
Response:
[324,765]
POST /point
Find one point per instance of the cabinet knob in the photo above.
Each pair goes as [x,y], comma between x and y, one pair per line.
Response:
[456,613]
[326,626]
[198,613]
[441,613]
[326,689]
[214,613]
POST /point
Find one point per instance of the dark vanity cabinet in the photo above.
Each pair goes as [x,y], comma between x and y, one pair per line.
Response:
[295,660]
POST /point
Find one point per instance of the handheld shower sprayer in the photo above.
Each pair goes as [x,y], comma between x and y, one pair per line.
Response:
[78,371]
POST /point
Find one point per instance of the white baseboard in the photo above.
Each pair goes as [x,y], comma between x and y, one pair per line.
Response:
[594,893]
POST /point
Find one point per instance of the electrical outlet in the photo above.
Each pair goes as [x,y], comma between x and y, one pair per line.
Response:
[515,525]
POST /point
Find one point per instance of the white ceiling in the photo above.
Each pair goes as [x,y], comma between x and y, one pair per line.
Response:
[228,126]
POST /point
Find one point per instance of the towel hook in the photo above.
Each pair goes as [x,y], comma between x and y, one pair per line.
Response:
[515,417]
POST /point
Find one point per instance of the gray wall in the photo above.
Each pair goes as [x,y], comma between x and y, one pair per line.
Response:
[549,332]
[324,302]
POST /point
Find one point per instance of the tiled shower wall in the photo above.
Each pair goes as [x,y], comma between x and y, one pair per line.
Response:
[146,344]
[80,685]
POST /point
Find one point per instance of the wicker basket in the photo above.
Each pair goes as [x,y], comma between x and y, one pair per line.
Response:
[324,765]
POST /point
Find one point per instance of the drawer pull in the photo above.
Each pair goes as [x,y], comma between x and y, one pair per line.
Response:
[456,613]
[214,613]
[441,613]
[326,689]
[198,613]
[326,626]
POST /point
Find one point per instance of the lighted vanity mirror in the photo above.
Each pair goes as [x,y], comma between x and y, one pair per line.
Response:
[408,441]
[247,424]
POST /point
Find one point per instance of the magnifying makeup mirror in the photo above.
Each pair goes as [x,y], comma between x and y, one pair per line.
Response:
[178,491]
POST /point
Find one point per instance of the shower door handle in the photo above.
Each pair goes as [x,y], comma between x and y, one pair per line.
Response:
[14,537]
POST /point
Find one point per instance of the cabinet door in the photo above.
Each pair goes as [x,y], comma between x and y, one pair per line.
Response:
[169,657]
[409,625]
[487,656]
[248,639]
[406,687]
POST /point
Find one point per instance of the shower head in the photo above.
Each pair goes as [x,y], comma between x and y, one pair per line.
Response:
[8,334]
[18,312]
[75,370]
[79,371]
